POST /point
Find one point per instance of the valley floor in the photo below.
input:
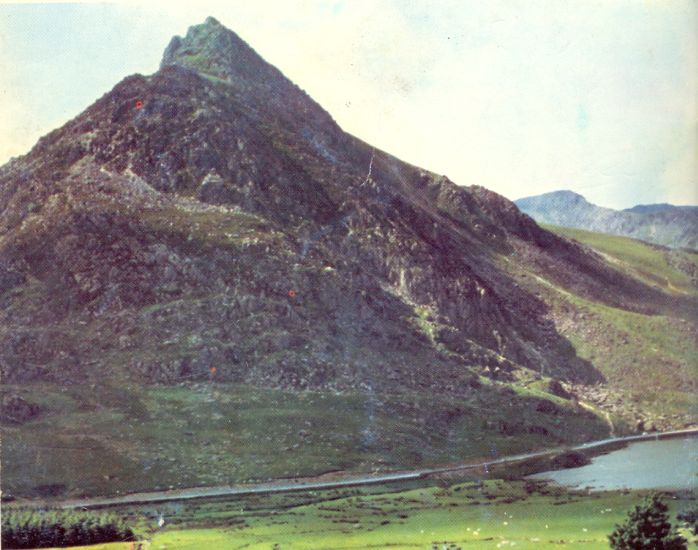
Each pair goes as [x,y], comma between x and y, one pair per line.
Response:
[474,514]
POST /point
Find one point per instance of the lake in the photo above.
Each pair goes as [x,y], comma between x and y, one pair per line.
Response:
[665,464]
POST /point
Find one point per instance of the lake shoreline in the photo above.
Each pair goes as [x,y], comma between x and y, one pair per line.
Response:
[655,464]
[309,484]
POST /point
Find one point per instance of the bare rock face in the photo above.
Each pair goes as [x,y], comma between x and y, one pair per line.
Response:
[213,215]
[556,388]
[17,410]
[214,190]
[9,279]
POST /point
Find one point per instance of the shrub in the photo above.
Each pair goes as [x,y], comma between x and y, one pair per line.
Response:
[44,529]
[647,527]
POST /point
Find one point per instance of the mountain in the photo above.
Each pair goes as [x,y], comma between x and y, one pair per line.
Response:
[656,208]
[206,270]
[664,224]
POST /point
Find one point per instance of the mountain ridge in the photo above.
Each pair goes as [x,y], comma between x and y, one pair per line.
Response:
[664,224]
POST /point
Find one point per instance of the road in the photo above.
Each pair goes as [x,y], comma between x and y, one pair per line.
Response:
[346,481]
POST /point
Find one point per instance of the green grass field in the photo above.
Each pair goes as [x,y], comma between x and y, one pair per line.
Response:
[489,514]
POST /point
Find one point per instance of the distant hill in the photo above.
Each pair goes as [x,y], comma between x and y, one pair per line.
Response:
[665,224]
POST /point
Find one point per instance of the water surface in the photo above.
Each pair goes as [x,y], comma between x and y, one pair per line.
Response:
[665,464]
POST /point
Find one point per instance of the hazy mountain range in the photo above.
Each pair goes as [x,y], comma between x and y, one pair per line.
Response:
[665,224]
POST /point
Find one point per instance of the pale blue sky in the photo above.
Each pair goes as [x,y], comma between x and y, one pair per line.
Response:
[520,96]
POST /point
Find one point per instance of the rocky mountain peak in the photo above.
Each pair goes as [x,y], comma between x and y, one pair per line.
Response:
[211,219]
[218,179]
[213,49]
[215,52]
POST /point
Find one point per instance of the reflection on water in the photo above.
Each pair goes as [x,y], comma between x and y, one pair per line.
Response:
[667,464]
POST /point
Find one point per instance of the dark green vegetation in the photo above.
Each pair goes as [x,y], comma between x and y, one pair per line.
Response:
[647,528]
[45,529]
[663,224]
[222,433]
[222,285]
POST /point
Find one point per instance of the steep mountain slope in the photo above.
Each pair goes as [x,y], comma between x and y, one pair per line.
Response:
[650,362]
[230,195]
[206,242]
[665,224]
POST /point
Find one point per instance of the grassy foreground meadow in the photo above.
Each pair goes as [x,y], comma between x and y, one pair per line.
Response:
[473,514]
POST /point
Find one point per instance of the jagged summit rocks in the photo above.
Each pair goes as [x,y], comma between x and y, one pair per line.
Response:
[217,52]
[157,242]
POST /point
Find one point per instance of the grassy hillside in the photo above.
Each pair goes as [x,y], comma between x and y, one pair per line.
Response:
[669,269]
[649,360]
[125,437]
[99,440]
